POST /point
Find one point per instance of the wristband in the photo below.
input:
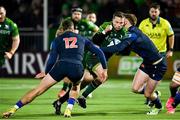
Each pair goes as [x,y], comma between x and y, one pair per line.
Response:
[171,49]
[11,52]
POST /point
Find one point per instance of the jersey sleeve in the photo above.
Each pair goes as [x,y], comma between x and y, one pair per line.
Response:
[103,26]
[126,41]
[15,30]
[169,29]
[53,55]
[92,48]
[141,25]
[93,27]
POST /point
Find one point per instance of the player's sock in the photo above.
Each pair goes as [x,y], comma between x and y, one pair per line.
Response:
[65,97]
[18,105]
[65,86]
[84,84]
[173,91]
[71,102]
[157,103]
[91,87]
[176,100]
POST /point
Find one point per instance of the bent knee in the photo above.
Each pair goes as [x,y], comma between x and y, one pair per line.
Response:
[135,90]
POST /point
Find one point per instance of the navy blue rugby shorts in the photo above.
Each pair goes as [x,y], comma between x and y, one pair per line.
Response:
[65,69]
[155,72]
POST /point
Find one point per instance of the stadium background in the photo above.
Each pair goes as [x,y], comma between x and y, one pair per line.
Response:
[39,19]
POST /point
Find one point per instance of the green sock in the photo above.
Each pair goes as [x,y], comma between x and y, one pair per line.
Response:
[65,86]
[91,87]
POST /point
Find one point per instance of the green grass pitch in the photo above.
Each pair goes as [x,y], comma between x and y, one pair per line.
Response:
[112,101]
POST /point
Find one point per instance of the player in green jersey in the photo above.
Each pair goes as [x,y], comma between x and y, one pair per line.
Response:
[9,37]
[110,33]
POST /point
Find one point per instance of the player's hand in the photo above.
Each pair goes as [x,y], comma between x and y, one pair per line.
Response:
[76,31]
[8,55]
[169,54]
[103,76]
[108,28]
[40,75]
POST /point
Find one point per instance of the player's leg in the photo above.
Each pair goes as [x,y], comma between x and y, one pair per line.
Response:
[92,86]
[65,88]
[173,90]
[88,78]
[150,87]
[139,82]
[44,85]
[176,101]
[57,104]
[74,92]
[75,74]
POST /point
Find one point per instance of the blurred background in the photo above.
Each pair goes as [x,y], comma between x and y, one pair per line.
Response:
[38,21]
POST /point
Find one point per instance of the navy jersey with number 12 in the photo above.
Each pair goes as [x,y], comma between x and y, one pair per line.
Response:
[70,47]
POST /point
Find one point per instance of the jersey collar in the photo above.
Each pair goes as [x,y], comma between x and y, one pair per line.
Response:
[158,20]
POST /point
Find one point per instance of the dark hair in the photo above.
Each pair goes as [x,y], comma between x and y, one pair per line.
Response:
[67,24]
[131,18]
[155,5]
[118,14]
[76,9]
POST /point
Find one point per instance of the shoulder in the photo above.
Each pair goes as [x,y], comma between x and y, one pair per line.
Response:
[11,23]
[164,21]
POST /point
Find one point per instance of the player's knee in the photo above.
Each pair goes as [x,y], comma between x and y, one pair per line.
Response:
[135,90]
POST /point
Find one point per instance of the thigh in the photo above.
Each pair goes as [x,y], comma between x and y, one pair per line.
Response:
[58,71]
[75,73]
[46,83]
[139,80]
[87,76]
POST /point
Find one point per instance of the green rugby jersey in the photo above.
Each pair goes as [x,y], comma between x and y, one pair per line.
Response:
[112,35]
[111,38]
[8,29]
[85,27]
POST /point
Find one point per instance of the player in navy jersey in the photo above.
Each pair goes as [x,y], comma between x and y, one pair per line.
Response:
[153,67]
[69,47]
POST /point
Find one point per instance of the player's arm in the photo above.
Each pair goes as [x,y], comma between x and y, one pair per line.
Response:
[99,37]
[171,46]
[170,34]
[53,56]
[15,42]
[92,48]
[126,41]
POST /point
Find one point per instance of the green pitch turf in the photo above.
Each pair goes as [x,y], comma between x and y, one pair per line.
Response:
[112,101]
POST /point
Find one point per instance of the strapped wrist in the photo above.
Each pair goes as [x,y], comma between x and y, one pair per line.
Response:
[171,49]
[12,53]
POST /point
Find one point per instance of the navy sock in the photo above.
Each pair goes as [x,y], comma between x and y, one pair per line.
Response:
[176,100]
[19,104]
[157,103]
[173,91]
[71,101]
